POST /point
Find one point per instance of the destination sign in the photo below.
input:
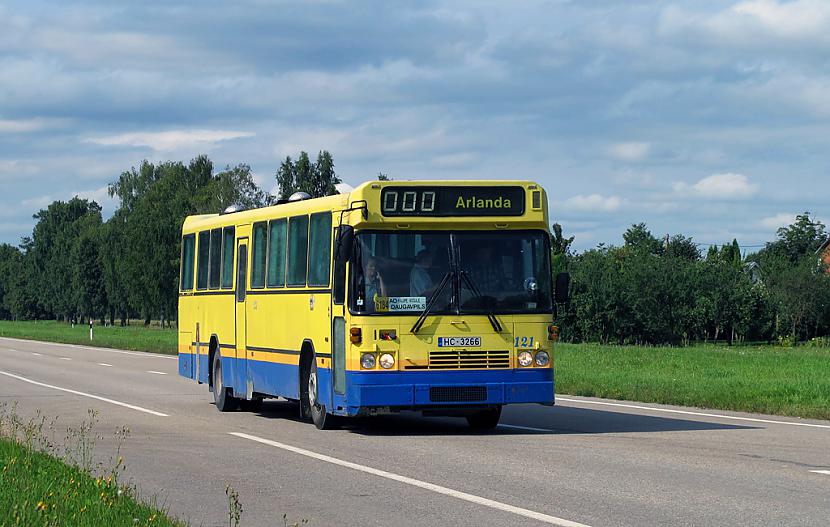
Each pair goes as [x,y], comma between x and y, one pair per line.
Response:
[452,201]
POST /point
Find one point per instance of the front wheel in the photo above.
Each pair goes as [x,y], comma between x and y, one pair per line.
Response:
[225,402]
[322,419]
[485,419]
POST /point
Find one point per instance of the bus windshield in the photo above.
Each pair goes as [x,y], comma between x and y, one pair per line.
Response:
[476,272]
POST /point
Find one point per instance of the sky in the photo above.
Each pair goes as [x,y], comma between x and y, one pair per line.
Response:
[709,119]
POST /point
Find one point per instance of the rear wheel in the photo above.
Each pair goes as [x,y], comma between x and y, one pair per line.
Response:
[485,419]
[225,402]
[322,419]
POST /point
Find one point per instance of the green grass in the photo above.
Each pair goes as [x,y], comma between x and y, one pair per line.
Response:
[38,489]
[134,337]
[762,379]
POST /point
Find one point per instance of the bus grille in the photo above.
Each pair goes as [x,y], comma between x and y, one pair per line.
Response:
[468,360]
[457,394]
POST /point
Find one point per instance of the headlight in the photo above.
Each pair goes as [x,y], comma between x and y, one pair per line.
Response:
[525,359]
[387,361]
[367,361]
[542,358]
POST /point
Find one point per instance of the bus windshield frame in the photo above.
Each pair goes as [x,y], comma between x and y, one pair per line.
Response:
[487,272]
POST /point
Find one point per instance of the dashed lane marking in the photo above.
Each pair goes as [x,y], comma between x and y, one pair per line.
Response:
[686,412]
[156,372]
[105,364]
[65,358]
[36,354]
[472,498]
[528,428]
[83,394]
[825,472]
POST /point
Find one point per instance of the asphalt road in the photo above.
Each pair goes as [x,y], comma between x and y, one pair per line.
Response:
[586,461]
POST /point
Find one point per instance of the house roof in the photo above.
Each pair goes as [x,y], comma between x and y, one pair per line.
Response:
[824,245]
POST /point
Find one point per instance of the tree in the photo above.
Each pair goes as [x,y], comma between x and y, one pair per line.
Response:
[383,177]
[233,186]
[560,248]
[317,179]
[286,178]
[639,238]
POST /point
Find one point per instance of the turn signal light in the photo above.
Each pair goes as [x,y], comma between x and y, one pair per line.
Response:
[553,332]
[355,335]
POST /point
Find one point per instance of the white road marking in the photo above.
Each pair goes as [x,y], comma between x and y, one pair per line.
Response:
[544,518]
[686,412]
[105,364]
[826,472]
[36,354]
[529,428]
[75,392]
[156,372]
[108,350]
[65,358]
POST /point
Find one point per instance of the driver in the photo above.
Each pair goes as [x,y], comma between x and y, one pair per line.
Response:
[373,283]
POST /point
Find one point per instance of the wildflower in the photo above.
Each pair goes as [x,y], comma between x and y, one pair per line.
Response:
[41,506]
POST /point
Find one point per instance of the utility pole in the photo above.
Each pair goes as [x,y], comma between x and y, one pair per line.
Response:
[666,243]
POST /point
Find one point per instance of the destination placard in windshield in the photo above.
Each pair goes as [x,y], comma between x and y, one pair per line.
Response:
[452,201]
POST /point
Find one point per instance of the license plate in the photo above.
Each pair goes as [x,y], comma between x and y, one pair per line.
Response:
[459,342]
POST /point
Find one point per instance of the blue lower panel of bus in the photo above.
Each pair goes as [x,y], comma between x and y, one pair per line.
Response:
[378,389]
[425,389]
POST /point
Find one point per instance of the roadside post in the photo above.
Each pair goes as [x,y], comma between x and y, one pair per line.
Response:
[90,329]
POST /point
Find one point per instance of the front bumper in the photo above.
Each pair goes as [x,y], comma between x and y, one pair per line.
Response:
[423,390]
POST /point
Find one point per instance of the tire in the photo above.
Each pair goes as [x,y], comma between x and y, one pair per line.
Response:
[486,419]
[322,419]
[225,402]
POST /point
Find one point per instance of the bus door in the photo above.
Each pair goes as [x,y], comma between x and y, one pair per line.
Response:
[240,371]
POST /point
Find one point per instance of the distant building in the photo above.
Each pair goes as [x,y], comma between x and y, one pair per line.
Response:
[824,253]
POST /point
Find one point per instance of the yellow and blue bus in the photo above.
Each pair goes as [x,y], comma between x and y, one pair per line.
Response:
[428,296]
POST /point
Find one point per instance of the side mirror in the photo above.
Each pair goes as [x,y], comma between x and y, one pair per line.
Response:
[562,289]
[342,252]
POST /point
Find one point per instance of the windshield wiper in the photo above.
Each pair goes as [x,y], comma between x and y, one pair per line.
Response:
[465,276]
[421,319]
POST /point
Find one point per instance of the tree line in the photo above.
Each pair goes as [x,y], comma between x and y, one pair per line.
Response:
[75,266]
[653,291]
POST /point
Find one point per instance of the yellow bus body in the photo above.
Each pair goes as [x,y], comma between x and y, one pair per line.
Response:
[266,337]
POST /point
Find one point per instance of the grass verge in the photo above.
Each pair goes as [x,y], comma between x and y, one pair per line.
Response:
[760,379]
[46,483]
[137,337]
[38,489]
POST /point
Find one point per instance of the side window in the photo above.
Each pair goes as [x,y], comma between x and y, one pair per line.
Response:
[227,257]
[188,257]
[241,267]
[258,252]
[215,258]
[297,250]
[202,263]
[319,250]
[276,254]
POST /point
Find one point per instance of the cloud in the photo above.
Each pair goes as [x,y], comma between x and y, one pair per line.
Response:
[781,219]
[726,186]
[594,203]
[755,24]
[629,151]
[19,126]
[170,140]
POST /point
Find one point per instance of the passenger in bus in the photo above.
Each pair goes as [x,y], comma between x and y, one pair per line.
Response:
[373,282]
[419,279]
